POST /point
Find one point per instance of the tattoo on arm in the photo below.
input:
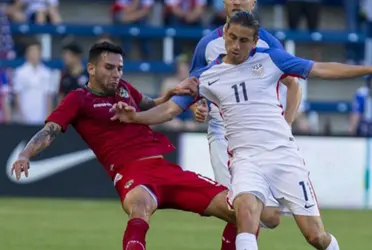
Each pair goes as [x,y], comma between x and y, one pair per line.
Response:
[146,103]
[41,139]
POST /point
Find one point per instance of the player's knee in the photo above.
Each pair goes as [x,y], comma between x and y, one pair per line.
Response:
[317,239]
[270,217]
[139,203]
[246,207]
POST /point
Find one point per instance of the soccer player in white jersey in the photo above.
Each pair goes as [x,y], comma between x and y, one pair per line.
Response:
[207,50]
[265,155]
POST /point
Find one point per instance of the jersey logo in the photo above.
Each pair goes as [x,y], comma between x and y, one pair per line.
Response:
[258,69]
[210,83]
[123,93]
[307,206]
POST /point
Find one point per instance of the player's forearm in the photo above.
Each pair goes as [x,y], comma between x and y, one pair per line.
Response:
[160,114]
[339,70]
[294,95]
[41,140]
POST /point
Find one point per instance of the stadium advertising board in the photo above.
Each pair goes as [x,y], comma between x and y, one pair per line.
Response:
[66,169]
[338,167]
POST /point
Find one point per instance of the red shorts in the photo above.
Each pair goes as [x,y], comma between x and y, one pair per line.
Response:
[173,187]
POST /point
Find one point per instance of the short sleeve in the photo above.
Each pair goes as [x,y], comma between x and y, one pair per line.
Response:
[67,110]
[272,41]
[134,93]
[291,65]
[358,104]
[198,59]
[184,101]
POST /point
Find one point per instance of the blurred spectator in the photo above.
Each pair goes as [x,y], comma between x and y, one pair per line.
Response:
[308,8]
[33,88]
[5,111]
[133,12]
[184,120]
[15,11]
[75,75]
[219,18]
[354,52]
[185,12]
[6,52]
[36,11]
[361,118]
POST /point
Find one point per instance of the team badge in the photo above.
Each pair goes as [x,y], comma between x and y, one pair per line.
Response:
[258,69]
[123,93]
[128,184]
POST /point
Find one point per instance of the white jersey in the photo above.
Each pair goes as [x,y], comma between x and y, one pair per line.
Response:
[247,96]
[208,49]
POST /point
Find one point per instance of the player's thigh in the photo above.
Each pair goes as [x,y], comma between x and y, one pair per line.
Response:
[247,178]
[189,191]
[219,161]
[137,199]
[290,182]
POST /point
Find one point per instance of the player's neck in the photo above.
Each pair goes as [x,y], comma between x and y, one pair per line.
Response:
[93,89]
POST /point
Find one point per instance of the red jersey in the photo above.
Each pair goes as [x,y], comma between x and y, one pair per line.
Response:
[114,143]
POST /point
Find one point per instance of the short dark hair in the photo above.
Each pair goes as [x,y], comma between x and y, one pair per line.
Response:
[97,49]
[73,48]
[246,19]
[33,43]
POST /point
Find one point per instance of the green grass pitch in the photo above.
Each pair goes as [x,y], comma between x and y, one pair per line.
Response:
[56,224]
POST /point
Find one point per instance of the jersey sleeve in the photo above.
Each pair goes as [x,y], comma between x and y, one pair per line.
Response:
[184,101]
[134,93]
[272,41]
[198,59]
[66,111]
[291,65]
[358,104]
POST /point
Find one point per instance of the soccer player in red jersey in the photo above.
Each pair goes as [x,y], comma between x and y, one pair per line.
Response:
[130,153]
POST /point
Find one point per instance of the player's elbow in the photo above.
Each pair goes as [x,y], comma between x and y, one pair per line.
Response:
[173,110]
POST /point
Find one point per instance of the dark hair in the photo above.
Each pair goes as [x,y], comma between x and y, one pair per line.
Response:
[246,19]
[73,48]
[33,43]
[97,49]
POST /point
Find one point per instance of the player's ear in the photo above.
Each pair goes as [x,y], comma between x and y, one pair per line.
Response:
[91,69]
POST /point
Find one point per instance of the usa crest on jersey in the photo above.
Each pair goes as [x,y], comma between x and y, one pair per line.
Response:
[258,69]
[123,93]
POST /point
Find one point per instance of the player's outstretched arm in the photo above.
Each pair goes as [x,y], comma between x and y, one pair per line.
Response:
[40,141]
[338,70]
[157,115]
[189,86]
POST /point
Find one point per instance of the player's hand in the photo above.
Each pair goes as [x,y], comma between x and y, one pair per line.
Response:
[123,112]
[22,164]
[201,111]
[189,84]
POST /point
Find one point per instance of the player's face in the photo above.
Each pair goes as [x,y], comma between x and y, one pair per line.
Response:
[107,72]
[239,41]
[33,54]
[232,6]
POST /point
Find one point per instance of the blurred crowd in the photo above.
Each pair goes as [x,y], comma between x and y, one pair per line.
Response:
[28,100]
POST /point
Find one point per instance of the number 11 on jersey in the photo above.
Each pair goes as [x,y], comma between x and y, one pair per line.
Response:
[236,88]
